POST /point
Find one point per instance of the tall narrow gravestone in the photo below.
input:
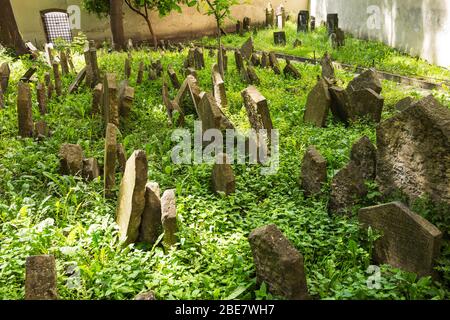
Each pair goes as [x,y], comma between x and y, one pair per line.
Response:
[270,15]
[408,241]
[40,278]
[110,99]
[109,170]
[219,91]
[24,111]
[303,21]
[57,77]
[169,217]
[42,98]
[278,263]
[132,197]
[151,225]
[4,76]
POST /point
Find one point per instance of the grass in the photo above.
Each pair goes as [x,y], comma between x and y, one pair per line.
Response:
[42,212]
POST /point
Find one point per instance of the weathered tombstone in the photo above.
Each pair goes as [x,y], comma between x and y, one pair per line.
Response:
[291,71]
[4,76]
[90,74]
[199,59]
[49,84]
[408,241]
[313,172]
[252,76]
[274,63]
[365,103]
[265,60]
[69,60]
[121,157]
[169,217]
[127,68]
[313,24]
[297,43]
[244,76]
[255,60]
[130,44]
[247,49]
[110,159]
[327,67]
[151,226]
[91,170]
[172,106]
[48,50]
[152,74]
[347,188]
[414,152]
[279,38]
[340,38]
[257,110]
[41,98]
[364,156]
[404,104]
[2,99]
[303,21]
[340,104]
[64,63]
[110,100]
[57,77]
[97,99]
[366,80]
[140,73]
[269,15]
[173,77]
[28,75]
[239,60]
[126,98]
[158,67]
[188,88]
[318,105]
[278,263]
[332,23]
[223,59]
[41,130]
[78,80]
[34,51]
[239,29]
[210,114]
[246,24]
[191,71]
[223,179]
[132,197]
[40,278]
[71,159]
[280,16]
[24,111]
[219,91]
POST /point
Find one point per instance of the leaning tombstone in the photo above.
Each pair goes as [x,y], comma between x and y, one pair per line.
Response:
[151,225]
[318,105]
[40,278]
[173,77]
[131,202]
[41,98]
[78,80]
[24,111]
[278,264]
[126,98]
[223,179]
[255,60]
[219,87]
[28,75]
[313,172]
[274,63]
[70,159]
[408,241]
[247,49]
[291,71]
[211,115]
[169,217]
[109,170]
[252,76]
[69,60]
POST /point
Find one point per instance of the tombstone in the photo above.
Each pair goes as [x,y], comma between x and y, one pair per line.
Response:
[404,104]
[269,15]
[223,179]
[332,23]
[280,17]
[252,76]
[313,172]
[274,63]
[69,60]
[127,68]
[121,157]
[244,76]
[366,103]
[313,24]
[297,43]
[64,63]
[279,38]
[158,67]
[366,80]
[173,78]
[246,24]
[140,73]
[34,51]
[110,99]
[131,202]
[41,130]
[91,170]
[130,44]
[255,60]
[278,263]
[78,80]
[49,84]
[5,72]
[57,77]
[247,49]
[339,104]
[224,60]
[408,241]
[364,156]
[211,115]
[291,71]
[219,91]
[126,98]
[211,53]
[70,159]
[347,188]
[257,109]
[24,110]
[239,60]
[173,107]
[40,278]
[327,67]
[239,29]
[414,152]
[340,38]
[41,98]
[152,74]
[192,72]
[302,21]
[318,105]
[97,98]
[265,60]
[92,70]
[110,158]
[149,296]
[2,99]
[188,97]
[169,217]
[48,50]
[151,226]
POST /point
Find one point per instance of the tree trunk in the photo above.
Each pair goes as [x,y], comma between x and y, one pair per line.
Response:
[9,32]
[116,20]
[150,28]
[220,53]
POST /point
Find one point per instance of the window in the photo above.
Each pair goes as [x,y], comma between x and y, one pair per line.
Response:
[56,25]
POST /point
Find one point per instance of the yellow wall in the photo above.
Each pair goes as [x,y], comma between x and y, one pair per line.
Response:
[187,24]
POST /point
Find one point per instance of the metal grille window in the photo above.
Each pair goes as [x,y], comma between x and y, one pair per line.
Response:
[56,25]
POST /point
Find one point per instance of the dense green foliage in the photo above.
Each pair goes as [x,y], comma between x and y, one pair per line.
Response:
[43,212]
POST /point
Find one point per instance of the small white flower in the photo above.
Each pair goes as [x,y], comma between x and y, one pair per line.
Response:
[45,224]
[69,251]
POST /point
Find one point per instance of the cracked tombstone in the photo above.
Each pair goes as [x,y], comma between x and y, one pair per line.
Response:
[91,170]
[278,263]
[24,111]
[169,217]
[151,225]
[318,105]
[70,159]
[110,159]
[313,172]
[41,95]
[40,278]
[219,90]
[222,178]
[131,202]
[408,241]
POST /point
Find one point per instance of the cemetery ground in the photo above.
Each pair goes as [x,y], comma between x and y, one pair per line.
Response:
[44,212]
